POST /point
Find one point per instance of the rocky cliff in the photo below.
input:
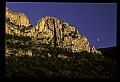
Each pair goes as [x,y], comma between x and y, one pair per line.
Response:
[49,30]
[66,36]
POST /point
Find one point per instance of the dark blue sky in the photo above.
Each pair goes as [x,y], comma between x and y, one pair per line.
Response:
[93,20]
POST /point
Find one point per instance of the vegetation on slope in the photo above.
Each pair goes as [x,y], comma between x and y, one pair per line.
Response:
[77,65]
[85,65]
[109,52]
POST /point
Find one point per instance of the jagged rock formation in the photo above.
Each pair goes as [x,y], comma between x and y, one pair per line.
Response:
[67,36]
[49,30]
[95,51]
[17,18]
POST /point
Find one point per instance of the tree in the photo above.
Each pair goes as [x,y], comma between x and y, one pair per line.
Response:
[54,36]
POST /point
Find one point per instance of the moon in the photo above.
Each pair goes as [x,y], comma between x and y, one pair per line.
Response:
[98,39]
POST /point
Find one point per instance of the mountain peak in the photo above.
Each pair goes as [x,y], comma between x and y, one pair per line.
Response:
[49,30]
[17,17]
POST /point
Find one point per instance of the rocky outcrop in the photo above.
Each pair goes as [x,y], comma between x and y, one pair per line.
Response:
[17,18]
[49,30]
[18,23]
[66,36]
[95,51]
[17,52]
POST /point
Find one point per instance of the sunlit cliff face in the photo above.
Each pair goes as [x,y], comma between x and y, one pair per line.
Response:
[46,30]
[17,18]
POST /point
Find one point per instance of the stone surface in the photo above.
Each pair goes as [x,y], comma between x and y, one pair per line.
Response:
[49,55]
[95,51]
[16,52]
[62,56]
[67,36]
[17,18]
